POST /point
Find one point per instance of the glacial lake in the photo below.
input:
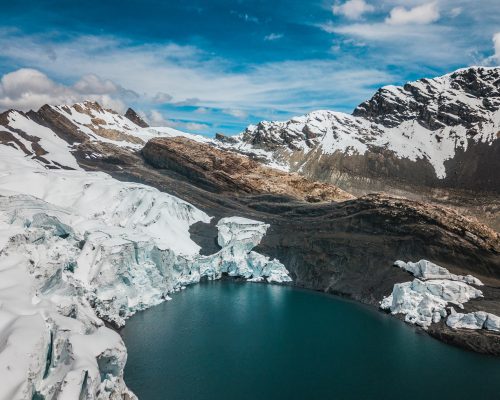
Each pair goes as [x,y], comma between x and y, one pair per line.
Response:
[227,340]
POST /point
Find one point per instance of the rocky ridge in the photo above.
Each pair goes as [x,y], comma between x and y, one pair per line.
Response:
[220,171]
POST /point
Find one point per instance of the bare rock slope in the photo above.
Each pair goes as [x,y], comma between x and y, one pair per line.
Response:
[222,171]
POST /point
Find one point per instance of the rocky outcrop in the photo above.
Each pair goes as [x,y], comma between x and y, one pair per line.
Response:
[219,171]
[134,117]
[462,98]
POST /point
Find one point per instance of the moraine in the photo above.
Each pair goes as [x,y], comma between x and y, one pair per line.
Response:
[226,340]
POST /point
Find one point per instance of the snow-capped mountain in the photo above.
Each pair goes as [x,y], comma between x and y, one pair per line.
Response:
[52,133]
[440,132]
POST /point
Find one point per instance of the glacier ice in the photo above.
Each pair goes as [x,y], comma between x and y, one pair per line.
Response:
[474,320]
[238,236]
[52,339]
[425,270]
[77,248]
[424,300]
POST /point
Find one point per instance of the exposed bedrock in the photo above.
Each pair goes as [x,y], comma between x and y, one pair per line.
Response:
[469,185]
[381,169]
[219,171]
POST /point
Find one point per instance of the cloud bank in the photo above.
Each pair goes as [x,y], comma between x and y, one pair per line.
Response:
[26,89]
[180,76]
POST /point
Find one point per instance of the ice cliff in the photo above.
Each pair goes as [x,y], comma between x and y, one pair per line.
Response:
[80,248]
[425,270]
[473,320]
[425,300]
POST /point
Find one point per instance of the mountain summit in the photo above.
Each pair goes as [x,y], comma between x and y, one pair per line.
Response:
[439,133]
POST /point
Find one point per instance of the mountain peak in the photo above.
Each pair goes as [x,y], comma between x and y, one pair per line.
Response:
[436,126]
[462,98]
[135,118]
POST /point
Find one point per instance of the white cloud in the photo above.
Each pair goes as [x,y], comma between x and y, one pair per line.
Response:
[195,126]
[422,14]
[496,48]
[425,50]
[202,110]
[192,77]
[352,9]
[156,118]
[273,36]
[236,113]
[27,88]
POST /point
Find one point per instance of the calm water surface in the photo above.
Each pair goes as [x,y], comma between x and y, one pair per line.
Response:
[224,340]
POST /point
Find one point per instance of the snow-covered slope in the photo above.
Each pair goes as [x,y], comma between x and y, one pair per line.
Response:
[430,122]
[78,248]
[50,134]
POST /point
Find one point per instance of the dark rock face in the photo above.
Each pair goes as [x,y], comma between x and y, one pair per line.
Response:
[436,103]
[474,168]
[225,139]
[134,117]
[379,169]
[62,126]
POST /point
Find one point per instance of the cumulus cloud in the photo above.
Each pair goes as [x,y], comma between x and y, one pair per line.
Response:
[352,9]
[422,14]
[156,118]
[195,78]
[27,88]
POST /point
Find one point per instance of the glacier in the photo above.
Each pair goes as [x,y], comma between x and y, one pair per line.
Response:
[425,270]
[78,249]
[474,320]
[425,300]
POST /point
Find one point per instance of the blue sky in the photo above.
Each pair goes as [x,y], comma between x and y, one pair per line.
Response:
[217,66]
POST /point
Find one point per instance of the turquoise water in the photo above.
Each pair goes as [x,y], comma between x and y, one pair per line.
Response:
[225,340]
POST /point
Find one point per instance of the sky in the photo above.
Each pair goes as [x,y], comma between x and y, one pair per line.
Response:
[208,66]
